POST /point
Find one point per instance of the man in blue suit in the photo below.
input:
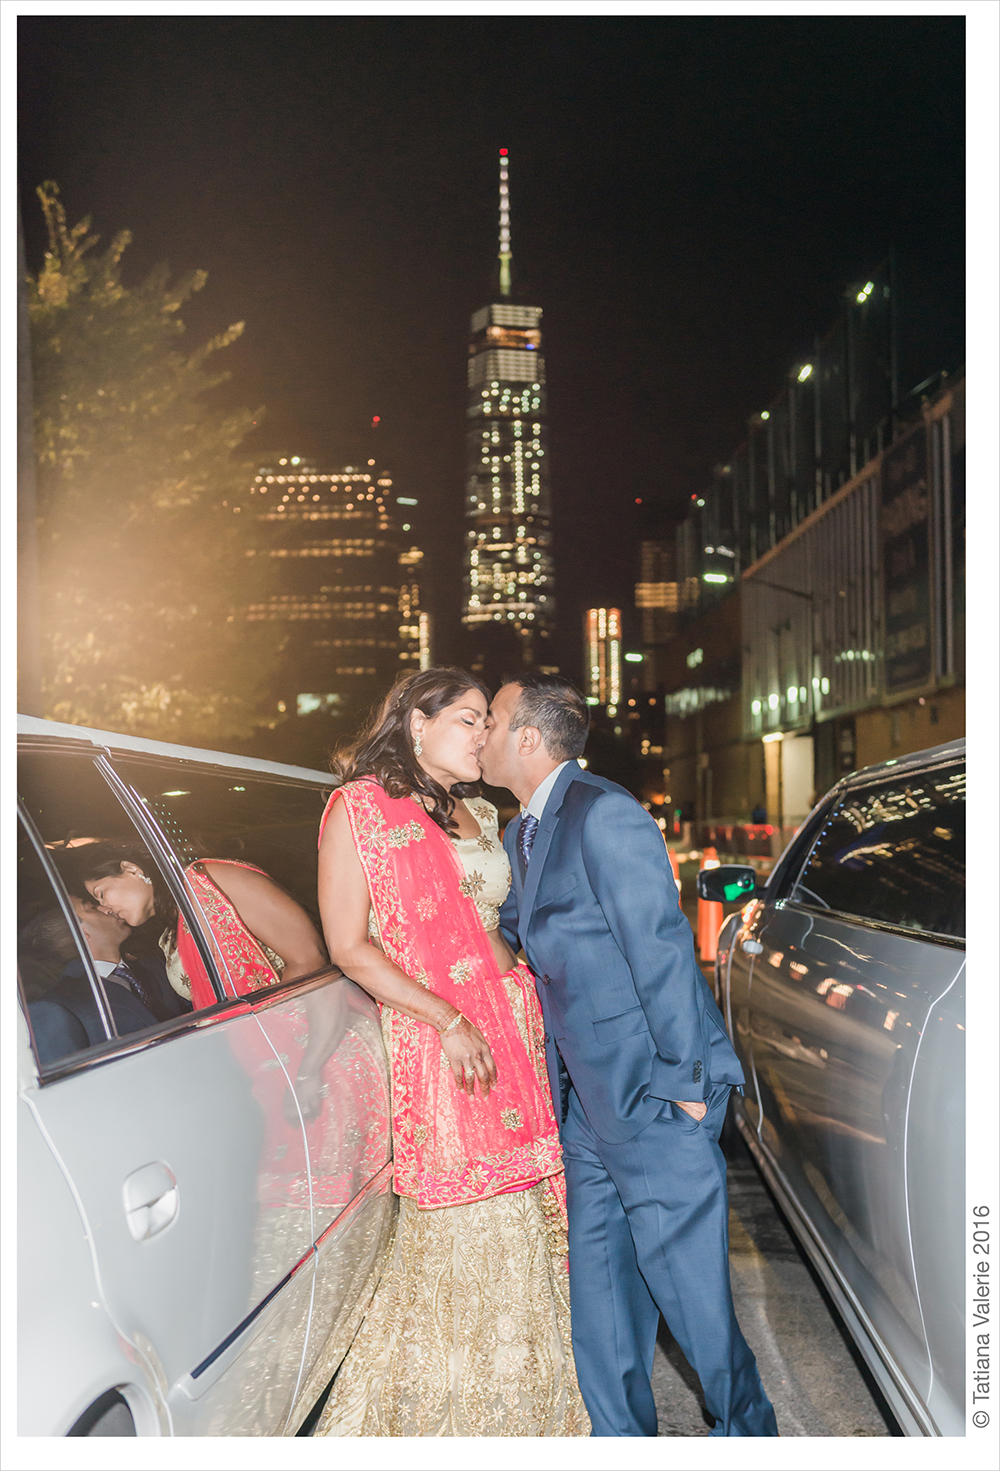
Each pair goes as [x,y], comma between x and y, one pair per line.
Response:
[64,1013]
[639,1064]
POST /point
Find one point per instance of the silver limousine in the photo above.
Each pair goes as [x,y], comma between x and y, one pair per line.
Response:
[843,988]
[203,1177]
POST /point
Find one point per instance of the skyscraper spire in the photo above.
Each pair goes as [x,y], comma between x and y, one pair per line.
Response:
[504,227]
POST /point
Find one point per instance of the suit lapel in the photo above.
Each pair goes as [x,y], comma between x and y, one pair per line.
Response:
[543,840]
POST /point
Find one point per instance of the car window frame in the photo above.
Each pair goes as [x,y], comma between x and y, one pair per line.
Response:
[849,789]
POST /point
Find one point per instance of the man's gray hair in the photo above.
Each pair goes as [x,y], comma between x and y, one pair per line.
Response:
[556,709]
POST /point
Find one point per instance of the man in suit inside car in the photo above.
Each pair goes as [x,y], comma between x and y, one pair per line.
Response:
[64,1015]
[639,1064]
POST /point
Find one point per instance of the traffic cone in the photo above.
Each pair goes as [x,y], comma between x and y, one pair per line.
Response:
[709,914]
[676,867]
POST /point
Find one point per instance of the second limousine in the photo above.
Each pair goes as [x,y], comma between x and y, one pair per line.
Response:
[203,1120]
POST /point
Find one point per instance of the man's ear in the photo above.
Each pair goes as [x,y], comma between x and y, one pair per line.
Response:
[529,741]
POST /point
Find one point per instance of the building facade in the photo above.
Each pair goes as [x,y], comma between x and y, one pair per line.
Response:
[342,578]
[509,588]
[842,645]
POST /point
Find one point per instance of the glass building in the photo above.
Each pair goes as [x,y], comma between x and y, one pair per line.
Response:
[509,583]
[342,578]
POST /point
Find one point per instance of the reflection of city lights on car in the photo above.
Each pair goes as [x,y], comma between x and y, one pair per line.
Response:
[776,957]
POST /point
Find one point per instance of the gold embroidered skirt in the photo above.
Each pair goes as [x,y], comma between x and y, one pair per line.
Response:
[468,1332]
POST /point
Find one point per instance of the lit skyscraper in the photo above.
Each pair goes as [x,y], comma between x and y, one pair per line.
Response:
[509,598]
[603,648]
[344,582]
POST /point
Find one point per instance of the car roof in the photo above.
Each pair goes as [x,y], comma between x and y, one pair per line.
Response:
[44,732]
[933,756]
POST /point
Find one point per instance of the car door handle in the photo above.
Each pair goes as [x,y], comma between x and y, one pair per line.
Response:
[751,947]
[151,1199]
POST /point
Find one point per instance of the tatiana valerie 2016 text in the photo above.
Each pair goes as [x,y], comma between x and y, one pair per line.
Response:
[981,1315]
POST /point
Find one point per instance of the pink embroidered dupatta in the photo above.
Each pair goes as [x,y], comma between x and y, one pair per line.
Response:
[450,1149]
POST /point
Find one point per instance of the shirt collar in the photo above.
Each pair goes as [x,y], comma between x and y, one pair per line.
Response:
[539,797]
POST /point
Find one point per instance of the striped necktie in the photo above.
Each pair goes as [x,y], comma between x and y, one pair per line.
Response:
[526,836]
[138,988]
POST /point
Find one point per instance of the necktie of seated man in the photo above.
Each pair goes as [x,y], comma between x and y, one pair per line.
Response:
[526,836]
[138,988]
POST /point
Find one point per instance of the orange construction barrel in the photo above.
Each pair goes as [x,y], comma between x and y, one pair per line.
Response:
[710,914]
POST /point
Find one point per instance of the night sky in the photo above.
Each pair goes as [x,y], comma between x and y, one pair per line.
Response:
[690,199]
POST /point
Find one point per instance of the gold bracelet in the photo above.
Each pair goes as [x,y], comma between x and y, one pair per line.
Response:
[453,1023]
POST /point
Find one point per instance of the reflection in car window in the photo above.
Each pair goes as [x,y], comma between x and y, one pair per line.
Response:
[249,851]
[895,852]
[271,824]
[59,963]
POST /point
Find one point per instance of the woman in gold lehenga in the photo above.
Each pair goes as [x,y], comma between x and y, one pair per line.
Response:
[468,1332]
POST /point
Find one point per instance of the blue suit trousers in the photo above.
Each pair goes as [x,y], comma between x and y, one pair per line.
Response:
[649,1234]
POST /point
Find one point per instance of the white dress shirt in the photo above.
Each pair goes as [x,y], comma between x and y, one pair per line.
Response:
[539,797]
[104,969]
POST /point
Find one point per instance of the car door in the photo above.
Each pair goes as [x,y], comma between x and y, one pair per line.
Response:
[164,1135]
[325,1034]
[854,962]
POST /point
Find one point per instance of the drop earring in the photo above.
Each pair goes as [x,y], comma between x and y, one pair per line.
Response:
[418,746]
[145,879]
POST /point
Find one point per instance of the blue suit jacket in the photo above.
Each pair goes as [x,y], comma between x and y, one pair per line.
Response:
[66,1018]
[600,922]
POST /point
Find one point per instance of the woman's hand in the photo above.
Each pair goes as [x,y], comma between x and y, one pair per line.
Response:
[469,1054]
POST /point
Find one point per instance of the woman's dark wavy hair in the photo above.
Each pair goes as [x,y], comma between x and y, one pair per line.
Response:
[102,859]
[384,750]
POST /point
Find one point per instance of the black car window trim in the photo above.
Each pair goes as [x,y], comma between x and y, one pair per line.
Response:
[170,866]
[933,937]
[61,896]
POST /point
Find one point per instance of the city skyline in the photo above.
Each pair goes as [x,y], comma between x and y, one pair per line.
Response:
[692,230]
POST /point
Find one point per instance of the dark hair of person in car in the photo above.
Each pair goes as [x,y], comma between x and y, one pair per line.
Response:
[104,859]
[45,947]
[384,750]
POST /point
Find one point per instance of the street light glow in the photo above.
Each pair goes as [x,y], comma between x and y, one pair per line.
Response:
[805,372]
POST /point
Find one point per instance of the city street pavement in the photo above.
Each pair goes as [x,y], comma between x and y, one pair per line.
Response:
[810,1373]
[815,1380]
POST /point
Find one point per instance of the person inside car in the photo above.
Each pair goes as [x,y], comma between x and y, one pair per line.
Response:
[65,1016]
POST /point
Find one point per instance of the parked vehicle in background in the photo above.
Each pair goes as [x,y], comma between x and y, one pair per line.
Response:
[843,987]
[201,1224]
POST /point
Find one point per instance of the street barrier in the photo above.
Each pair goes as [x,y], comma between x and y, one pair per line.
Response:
[710,914]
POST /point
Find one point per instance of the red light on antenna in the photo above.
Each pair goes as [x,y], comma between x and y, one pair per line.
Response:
[638,500]
[377,420]
[503,153]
